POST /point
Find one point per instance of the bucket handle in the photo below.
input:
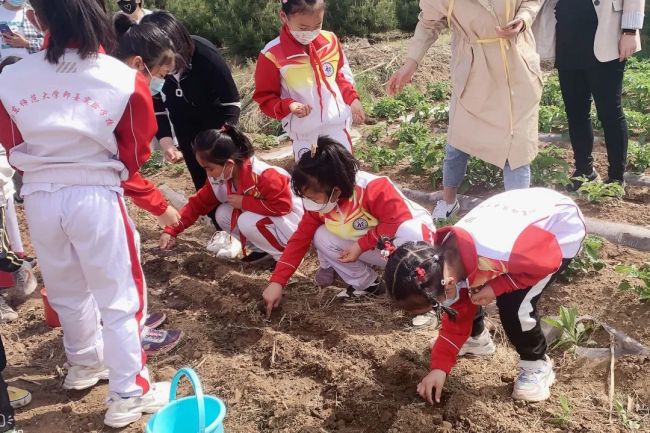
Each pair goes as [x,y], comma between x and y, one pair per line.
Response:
[198,391]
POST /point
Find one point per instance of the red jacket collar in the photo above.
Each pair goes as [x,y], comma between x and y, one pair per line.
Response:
[245,178]
[46,43]
[292,47]
[466,247]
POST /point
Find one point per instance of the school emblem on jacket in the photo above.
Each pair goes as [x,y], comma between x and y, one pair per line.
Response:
[328,69]
[360,224]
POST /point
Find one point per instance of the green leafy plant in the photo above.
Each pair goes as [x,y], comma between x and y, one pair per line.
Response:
[441,113]
[407,12]
[379,157]
[552,93]
[389,108]
[552,118]
[412,132]
[438,90]
[642,276]
[549,169]
[638,156]
[573,332]
[375,134]
[359,18]
[422,112]
[597,192]
[587,261]
[624,417]
[481,173]
[563,417]
[411,96]
[426,154]
[154,164]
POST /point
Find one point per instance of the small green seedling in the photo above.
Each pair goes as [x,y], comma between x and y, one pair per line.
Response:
[574,333]
[563,417]
[638,156]
[641,274]
[412,132]
[597,192]
[411,96]
[587,261]
[379,157]
[389,108]
[624,417]
[154,164]
[375,134]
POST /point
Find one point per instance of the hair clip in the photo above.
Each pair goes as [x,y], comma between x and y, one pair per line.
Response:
[443,282]
[421,274]
[436,258]
[313,148]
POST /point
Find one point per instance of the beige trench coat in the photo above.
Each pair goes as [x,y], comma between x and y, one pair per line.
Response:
[491,116]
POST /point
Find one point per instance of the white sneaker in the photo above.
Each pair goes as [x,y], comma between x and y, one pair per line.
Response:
[534,380]
[423,320]
[443,210]
[80,377]
[7,314]
[25,280]
[124,411]
[478,346]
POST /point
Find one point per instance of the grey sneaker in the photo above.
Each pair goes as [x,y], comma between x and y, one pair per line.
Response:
[25,280]
[478,346]
[7,314]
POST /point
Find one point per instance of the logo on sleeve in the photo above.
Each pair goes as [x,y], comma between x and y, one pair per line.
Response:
[328,68]
[360,224]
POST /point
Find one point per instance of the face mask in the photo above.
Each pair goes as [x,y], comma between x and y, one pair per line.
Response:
[127,6]
[222,177]
[305,37]
[16,3]
[156,84]
[449,302]
[312,206]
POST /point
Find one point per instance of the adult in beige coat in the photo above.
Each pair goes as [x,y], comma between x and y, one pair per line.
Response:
[496,86]
[594,40]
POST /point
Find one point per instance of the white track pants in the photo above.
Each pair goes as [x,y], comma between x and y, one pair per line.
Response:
[360,274]
[12,227]
[269,234]
[302,144]
[86,246]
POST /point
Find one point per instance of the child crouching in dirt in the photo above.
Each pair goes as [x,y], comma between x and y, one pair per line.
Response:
[253,199]
[508,249]
[347,211]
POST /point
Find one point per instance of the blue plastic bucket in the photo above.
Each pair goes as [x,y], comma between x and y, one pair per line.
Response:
[195,414]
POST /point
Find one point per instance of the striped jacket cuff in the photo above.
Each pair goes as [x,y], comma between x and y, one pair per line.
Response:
[632,20]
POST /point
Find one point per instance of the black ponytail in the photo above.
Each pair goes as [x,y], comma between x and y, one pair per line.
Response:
[144,40]
[290,7]
[219,145]
[326,166]
[415,269]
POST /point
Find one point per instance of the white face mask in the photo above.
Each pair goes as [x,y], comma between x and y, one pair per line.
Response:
[305,37]
[312,206]
[460,285]
[222,177]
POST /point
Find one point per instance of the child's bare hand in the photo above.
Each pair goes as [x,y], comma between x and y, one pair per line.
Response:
[351,254]
[358,115]
[169,218]
[236,201]
[484,296]
[272,296]
[167,241]
[434,380]
[300,110]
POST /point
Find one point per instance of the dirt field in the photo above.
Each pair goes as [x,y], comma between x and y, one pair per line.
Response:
[323,366]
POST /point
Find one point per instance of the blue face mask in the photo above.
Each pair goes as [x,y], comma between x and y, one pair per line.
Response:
[16,3]
[156,84]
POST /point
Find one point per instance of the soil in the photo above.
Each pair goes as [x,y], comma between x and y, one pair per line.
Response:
[322,366]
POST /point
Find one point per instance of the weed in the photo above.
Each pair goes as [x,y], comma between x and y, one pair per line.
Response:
[597,192]
[389,108]
[563,417]
[638,156]
[624,417]
[574,333]
[438,90]
[154,164]
[549,169]
[587,261]
[639,273]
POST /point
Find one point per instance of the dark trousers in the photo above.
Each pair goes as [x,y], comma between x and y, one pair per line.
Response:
[520,320]
[604,82]
[7,421]
[198,174]
[9,261]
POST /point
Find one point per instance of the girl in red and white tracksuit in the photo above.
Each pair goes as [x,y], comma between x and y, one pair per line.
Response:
[303,79]
[253,199]
[347,212]
[78,124]
[508,249]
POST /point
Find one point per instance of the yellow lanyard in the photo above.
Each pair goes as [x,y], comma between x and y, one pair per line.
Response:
[504,45]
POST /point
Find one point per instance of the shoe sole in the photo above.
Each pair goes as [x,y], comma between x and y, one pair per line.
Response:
[537,398]
[17,404]
[479,351]
[168,348]
[158,323]
[80,386]
[124,421]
